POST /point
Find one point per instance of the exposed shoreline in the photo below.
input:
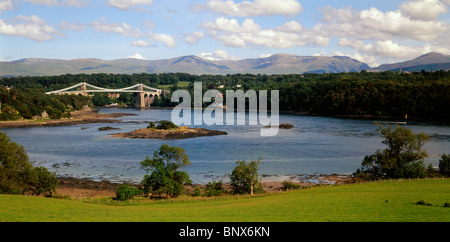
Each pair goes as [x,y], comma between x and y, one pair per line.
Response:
[94,116]
[78,188]
[77,118]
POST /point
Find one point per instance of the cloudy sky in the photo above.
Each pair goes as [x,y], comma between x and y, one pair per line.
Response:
[371,31]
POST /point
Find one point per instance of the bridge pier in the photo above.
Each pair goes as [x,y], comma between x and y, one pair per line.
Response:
[144,100]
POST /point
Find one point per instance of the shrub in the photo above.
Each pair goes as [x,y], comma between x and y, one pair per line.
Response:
[289,185]
[197,192]
[151,125]
[214,188]
[444,165]
[126,192]
[422,202]
[164,124]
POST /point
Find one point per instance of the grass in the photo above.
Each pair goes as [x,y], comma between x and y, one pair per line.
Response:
[385,201]
[179,84]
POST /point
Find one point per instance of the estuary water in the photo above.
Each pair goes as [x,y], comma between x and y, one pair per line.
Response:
[316,145]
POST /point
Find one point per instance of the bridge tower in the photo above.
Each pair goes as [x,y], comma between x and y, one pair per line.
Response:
[140,100]
[143,99]
[83,89]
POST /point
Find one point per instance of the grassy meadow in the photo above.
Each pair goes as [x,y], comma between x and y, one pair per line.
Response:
[393,201]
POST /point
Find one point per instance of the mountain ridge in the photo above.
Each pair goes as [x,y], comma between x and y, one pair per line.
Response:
[274,64]
[431,58]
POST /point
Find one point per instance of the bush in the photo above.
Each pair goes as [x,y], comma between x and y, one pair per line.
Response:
[126,192]
[151,125]
[444,165]
[422,202]
[289,185]
[214,188]
[164,124]
[197,192]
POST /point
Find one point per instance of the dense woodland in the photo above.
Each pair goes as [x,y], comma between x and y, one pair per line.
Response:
[30,103]
[418,94]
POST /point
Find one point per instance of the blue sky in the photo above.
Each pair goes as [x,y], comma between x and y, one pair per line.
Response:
[374,32]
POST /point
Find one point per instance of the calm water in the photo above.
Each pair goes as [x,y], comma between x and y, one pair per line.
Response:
[316,145]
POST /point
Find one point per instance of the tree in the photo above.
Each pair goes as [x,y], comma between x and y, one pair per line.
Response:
[18,176]
[100,99]
[244,178]
[14,166]
[444,165]
[165,177]
[403,157]
[42,182]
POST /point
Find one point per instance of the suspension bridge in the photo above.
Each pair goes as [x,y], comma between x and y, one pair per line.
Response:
[144,94]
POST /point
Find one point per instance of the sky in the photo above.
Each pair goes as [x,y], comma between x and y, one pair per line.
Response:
[372,31]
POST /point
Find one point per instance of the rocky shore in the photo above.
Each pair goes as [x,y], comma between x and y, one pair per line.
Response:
[77,188]
[77,117]
[180,133]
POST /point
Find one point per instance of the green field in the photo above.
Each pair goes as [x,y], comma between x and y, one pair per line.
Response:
[179,84]
[385,201]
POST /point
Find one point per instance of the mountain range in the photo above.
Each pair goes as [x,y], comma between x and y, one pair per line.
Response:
[274,64]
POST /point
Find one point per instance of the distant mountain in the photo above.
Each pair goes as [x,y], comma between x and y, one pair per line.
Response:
[428,62]
[275,64]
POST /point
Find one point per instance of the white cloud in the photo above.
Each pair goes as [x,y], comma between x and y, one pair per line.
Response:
[194,37]
[290,27]
[6,5]
[44,2]
[375,24]
[32,27]
[76,3]
[232,25]
[232,34]
[126,4]
[255,8]
[389,49]
[217,55]
[141,43]
[137,56]
[168,40]
[71,26]
[118,28]
[426,10]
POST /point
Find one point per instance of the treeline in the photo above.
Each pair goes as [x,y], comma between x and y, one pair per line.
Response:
[27,103]
[418,94]
[51,83]
[417,98]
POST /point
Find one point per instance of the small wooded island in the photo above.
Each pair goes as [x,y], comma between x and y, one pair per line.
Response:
[168,130]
